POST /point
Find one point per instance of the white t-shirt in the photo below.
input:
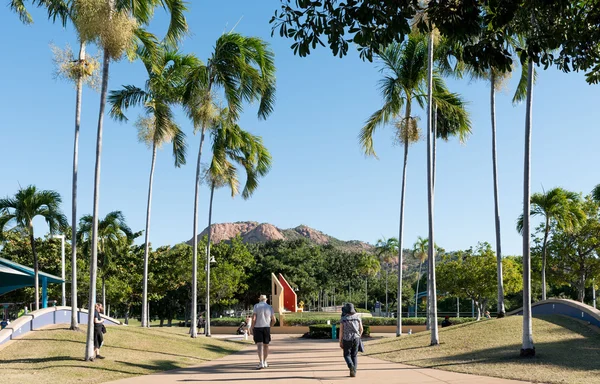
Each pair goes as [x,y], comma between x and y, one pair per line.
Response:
[263,312]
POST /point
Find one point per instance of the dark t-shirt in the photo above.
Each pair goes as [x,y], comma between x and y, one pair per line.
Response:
[97,316]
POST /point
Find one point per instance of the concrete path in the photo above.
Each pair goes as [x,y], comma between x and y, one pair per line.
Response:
[293,361]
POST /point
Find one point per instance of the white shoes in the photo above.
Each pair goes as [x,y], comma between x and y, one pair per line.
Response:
[265,364]
[262,365]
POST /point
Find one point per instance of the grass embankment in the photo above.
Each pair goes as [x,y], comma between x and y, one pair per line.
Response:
[55,355]
[567,351]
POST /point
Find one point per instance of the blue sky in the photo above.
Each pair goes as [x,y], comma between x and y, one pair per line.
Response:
[320,177]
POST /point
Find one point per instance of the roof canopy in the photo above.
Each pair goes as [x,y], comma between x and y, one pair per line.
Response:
[14,276]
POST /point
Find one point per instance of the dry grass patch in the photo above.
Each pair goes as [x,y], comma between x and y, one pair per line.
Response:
[566,351]
[55,355]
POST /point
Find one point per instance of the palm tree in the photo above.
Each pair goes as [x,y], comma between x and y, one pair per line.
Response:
[20,211]
[496,79]
[420,251]
[117,27]
[80,71]
[385,249]
[430,192]
[232,146]
[164,88]
[113,235]
[559,206]
[405,66]
[243,68]
[56,9]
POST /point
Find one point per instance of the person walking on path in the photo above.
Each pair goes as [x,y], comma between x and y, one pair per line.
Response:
[98,330]
[263,318]
[351,329]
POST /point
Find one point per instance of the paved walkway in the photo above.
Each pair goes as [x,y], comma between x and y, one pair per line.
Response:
[293,361]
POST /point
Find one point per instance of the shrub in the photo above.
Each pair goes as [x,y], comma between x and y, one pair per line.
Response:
[362,310]
[323,331]
[227,321]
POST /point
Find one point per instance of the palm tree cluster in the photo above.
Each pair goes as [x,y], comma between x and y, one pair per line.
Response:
[240,70]
[413,72]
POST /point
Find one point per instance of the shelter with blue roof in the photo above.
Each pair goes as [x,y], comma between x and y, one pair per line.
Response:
[15,276]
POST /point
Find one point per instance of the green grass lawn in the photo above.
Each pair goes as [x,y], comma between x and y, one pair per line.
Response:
[55,355]
[567,351]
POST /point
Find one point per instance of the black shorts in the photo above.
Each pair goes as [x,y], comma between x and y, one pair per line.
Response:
[262,335]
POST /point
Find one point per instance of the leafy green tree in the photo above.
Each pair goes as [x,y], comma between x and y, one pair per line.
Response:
[482,29]
[576,251]
[114,237]
[243,68]
[386,249]
[471,274]
[167,71]
[420,251]
[596,193]
[19,212]
[557,206]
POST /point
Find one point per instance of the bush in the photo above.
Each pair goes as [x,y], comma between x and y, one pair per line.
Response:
[362,310]
[412,320]
[227,321]
[323,331]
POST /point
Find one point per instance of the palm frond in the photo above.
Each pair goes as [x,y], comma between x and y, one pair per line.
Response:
[179,145]
[129,96]
[18,6]
[178,26]
[521,90]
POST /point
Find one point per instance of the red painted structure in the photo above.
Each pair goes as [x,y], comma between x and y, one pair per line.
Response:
[289,296]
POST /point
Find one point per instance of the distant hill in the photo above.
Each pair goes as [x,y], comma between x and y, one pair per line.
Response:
[253,232]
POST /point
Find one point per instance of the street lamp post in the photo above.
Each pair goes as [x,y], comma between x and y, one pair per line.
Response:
[62,260]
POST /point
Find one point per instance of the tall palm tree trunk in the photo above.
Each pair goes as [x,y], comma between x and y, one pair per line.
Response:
[544,258]
[145,314]
[501,309]
[401,226]
[194,317]
[417,293]
[527,349]
[89,350]
[431,248]
[434,147]
[74,321]
[35,268]
[207,326]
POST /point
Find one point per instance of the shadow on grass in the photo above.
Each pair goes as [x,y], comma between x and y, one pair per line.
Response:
[156,365]
[578,354]
[38,360]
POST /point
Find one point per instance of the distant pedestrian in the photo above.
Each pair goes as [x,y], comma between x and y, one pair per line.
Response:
[446,322]
[487,315]
[351,329]
[263,318]
[98,331]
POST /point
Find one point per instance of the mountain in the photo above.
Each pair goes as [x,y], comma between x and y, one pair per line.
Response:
[253,232]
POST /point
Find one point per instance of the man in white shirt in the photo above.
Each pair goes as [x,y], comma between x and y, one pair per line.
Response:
[263,318]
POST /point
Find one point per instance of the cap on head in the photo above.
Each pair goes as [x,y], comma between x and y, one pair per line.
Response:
[262,298]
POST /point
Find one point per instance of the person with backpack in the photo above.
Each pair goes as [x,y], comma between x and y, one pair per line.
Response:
[351,329]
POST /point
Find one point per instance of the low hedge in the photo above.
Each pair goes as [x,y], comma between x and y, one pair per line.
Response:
[227,321]
[323,331]
[295,320]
